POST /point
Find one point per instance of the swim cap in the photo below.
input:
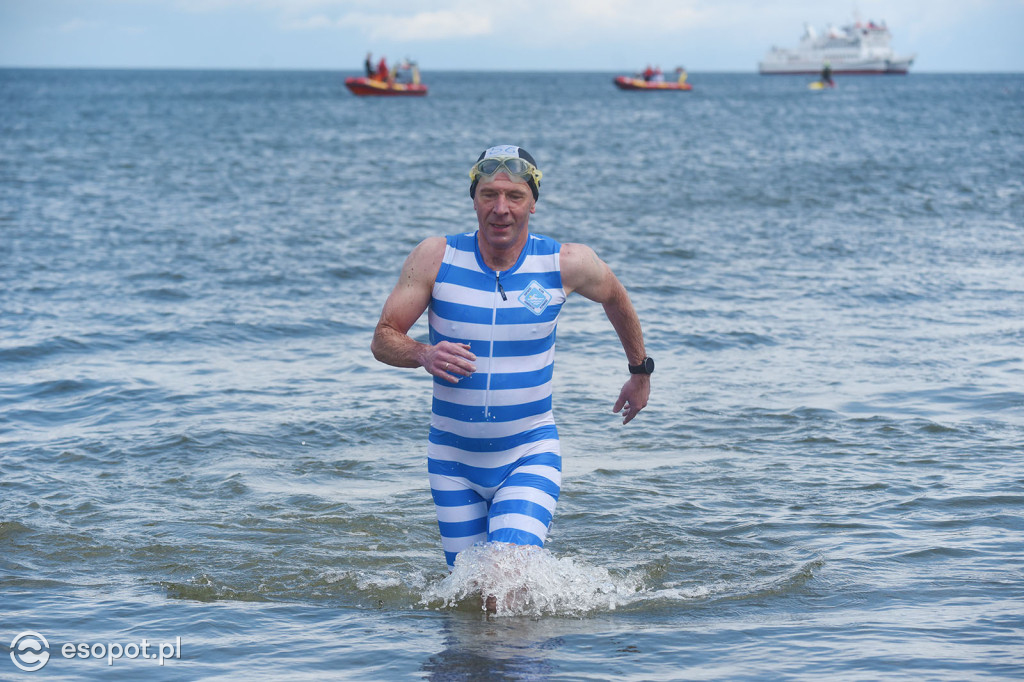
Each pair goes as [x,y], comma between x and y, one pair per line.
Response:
[508,150]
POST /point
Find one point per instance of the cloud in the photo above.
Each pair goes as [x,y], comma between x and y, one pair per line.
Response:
[77,25]
[438,25]
[598,21]
[651,15]
[566,23]
[92,26]
[315,22]
[421,26]
[397,20]
[531,21]
[296,7]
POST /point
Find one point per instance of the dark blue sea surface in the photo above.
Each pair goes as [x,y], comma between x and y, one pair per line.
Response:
[196,443]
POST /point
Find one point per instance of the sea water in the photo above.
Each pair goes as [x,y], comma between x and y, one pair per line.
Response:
[198,449]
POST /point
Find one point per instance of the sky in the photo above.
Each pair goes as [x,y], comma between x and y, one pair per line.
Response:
[947,36]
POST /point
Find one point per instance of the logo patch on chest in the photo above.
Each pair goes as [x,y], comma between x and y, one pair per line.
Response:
[535,297]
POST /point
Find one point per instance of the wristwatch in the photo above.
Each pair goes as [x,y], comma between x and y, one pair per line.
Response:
[645,367]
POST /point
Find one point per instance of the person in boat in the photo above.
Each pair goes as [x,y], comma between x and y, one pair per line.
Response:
[382,69]
[681,75]
[368,65]
[826,73]
[493,297]
[648,73]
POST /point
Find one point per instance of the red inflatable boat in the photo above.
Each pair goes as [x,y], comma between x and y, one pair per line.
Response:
[632,83]
[363,86]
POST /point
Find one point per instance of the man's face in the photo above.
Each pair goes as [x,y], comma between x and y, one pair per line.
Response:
[503,207]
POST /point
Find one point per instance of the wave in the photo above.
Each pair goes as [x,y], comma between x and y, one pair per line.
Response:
[533,582]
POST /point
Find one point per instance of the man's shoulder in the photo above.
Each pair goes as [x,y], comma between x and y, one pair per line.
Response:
[576,259]
[427,255]
[431,245]
[575,250]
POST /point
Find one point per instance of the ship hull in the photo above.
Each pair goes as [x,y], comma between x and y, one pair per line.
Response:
[866,68]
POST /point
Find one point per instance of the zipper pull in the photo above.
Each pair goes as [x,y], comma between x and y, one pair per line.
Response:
[501,290]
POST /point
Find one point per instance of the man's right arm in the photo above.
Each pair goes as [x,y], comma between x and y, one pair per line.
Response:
[392,344]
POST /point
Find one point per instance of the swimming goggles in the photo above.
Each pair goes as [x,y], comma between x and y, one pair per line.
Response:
[512,165]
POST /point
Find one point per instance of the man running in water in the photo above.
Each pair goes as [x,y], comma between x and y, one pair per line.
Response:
[494,296]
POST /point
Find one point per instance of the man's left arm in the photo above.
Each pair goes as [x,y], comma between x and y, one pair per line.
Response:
[584,272]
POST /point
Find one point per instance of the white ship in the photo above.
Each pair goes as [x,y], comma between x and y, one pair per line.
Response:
[857,48]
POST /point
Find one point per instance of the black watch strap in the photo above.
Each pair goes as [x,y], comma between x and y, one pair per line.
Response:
[645,367]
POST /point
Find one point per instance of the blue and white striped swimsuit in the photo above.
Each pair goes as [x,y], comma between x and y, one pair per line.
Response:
[493,457]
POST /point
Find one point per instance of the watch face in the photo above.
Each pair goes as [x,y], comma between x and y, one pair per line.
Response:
[649,365]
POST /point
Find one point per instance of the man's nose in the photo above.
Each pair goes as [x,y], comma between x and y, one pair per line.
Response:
[500,204]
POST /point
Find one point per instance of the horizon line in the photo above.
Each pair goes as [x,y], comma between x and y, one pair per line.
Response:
[304,69]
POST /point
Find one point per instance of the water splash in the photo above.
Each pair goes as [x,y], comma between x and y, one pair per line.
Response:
[530,581]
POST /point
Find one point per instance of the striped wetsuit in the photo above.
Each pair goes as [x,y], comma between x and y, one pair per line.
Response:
[493,456]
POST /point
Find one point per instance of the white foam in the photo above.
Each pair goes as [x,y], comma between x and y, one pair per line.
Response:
[530,581]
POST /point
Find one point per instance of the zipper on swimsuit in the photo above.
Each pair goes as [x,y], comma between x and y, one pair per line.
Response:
[494,321]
